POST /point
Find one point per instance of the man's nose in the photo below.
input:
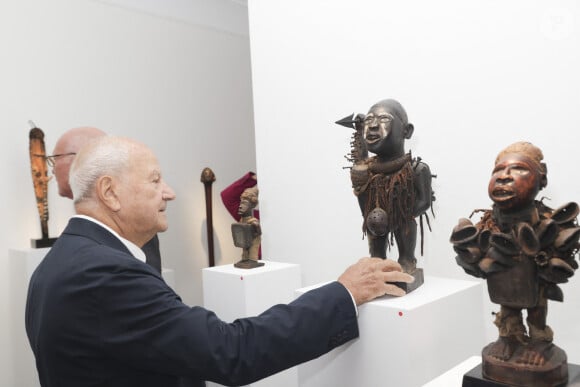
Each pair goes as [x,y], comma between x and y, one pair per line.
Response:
[168,193]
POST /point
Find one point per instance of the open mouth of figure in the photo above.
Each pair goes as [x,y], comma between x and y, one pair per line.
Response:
[371,138]
[502,194]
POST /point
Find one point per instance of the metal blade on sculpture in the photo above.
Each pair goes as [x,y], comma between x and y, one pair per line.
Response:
[347,121]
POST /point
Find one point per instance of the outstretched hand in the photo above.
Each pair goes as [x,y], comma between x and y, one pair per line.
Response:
[370,278]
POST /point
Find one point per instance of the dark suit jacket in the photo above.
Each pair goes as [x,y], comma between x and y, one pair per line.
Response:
[97,316]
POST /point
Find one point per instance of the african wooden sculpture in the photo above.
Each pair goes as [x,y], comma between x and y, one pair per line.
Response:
[524,249]
[392,187]
[39,170]
[247,233]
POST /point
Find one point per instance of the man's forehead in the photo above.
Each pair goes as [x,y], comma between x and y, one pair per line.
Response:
[145,162]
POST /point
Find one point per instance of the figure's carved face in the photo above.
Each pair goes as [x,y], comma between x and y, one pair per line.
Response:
[514,183]
[377,126]
[383,131]
[245,208]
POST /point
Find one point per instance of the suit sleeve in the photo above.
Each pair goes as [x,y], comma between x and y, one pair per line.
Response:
[147,324]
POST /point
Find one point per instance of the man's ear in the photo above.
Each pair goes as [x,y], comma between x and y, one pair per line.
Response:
[106,191]
[408,131]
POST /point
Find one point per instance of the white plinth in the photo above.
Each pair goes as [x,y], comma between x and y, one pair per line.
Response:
[454,377]
[22,265]
[233,293]
[406,341]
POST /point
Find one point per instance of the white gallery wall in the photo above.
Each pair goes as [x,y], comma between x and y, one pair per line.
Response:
[474,76]
[173,74]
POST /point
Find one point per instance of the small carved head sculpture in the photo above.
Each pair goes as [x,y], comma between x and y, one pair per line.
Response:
[385,128]
[248,201]
[519,174]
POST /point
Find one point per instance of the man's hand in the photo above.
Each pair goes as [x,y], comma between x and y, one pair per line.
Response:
[370,278]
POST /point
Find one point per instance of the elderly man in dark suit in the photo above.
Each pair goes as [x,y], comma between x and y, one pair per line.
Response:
[60,161]
[97,315]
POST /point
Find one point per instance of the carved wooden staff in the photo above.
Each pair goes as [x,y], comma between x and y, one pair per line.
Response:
[207,178]
[39,170]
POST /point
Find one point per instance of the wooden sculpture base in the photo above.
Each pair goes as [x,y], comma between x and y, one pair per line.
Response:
[474,378]
[419,280]
[248,264]
[524,368]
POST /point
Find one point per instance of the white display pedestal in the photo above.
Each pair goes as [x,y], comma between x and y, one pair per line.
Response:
[233,293]
[22,263]
[454,377]
[406,341]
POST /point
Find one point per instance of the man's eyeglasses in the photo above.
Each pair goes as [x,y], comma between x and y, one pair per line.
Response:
[50,160]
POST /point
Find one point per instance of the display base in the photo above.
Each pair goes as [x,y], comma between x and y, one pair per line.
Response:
[419,280]
[474,378]
[248,264]
[232,293]
[521,368]
[22,263]
[42,243]
[405,341]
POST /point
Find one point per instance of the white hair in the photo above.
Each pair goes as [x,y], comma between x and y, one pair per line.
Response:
[104,156]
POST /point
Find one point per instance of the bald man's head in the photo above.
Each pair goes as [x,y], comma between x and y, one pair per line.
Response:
[64,152]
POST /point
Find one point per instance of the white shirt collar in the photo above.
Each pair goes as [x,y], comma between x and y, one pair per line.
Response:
[132,247]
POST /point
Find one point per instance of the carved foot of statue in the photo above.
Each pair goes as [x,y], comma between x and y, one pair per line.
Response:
[536,363]
[535,354]
[409,265]
[503,348]
[248,264]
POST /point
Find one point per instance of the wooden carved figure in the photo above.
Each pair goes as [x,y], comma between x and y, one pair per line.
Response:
[392,187]
[39,172]
[524,249]
[247,233]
